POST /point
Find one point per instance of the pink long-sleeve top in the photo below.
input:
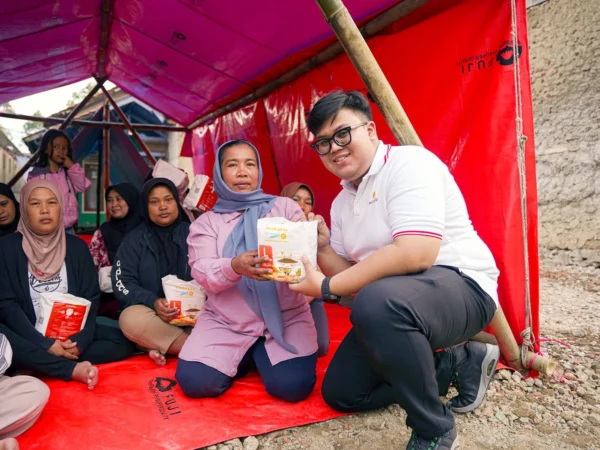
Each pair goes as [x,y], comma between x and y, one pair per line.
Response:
[228,327]
[75,183]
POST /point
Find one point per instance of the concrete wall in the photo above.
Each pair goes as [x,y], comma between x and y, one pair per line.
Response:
[564,39]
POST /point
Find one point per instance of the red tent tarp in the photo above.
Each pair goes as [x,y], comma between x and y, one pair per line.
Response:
[451,62]
[452,67]
[183,57]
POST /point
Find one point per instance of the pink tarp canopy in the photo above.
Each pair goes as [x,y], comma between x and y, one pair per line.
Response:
[184,58]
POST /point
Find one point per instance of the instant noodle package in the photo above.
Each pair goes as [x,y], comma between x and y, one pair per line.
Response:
[61,315]
[187,296]
[285,243]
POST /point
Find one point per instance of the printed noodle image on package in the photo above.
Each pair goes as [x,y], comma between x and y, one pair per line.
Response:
[285,243]
[62,315]
[187,296]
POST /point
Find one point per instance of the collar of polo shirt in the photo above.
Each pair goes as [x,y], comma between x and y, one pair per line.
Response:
[379,161]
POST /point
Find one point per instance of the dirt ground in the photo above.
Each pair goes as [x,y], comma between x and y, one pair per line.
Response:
[517,414]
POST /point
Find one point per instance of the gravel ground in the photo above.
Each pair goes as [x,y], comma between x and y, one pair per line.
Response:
[517,414]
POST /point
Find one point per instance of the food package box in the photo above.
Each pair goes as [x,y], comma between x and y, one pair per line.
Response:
[187,296]
[62,315]
[104,279]
[285,243]
[202,196]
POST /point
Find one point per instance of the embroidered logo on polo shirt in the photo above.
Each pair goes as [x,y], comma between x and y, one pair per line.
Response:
[374,198]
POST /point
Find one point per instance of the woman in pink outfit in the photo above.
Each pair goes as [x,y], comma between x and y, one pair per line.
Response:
[55,164]
[246,318]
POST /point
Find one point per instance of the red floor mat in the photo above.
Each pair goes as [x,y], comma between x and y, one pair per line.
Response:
[138,405]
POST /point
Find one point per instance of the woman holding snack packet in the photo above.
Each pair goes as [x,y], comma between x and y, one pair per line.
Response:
[304,196]
[41,259]
[147,255]
[246,318]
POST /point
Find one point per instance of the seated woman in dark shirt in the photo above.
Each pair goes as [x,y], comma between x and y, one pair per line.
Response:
[150,252]
[42,258]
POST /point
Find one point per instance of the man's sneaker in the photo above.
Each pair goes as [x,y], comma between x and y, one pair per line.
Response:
[472,376]
[447,441]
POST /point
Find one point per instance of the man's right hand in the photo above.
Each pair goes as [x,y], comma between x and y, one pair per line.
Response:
[245,265]
[324,236]
[161,306]
[61,349]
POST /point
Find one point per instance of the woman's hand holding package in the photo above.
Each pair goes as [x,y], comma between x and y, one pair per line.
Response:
[161,306]
[311,285]
[245,265]
[65,349]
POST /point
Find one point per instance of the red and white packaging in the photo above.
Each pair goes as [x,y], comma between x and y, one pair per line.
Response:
[62,315]
[202,196]
[187,296]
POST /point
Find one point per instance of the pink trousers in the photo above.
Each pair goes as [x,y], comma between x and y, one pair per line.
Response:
[22,400]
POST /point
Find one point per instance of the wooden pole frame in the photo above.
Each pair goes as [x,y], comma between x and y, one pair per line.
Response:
[94,124]
[363,60]
[121,115]
[106,142]
[99,186]
[368,30]
[65,123]
[105,21]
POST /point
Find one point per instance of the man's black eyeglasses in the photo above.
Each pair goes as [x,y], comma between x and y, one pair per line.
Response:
[341,137]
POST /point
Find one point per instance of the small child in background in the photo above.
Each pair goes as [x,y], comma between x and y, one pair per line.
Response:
[55,164]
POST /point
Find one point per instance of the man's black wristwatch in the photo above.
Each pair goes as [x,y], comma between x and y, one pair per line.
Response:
[326,292]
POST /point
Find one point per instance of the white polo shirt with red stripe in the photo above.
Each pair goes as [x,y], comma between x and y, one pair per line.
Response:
[409,191]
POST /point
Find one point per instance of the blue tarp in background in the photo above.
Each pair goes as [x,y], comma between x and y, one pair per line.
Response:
[126,163]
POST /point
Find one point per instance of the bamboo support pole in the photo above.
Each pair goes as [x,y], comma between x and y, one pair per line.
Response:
[99,186]
[365,63]
[105,22]
[106,142]
[359,53]
[485,338]
[65,123]
[541,364]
